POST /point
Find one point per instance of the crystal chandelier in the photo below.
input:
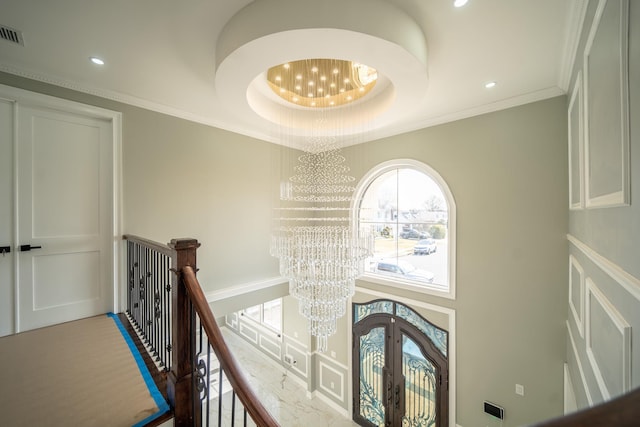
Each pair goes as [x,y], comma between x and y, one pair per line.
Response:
[319,251]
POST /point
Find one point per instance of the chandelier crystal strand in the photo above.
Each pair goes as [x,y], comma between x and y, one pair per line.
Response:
[319,252]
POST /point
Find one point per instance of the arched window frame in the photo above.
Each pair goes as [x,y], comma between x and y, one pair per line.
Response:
[361,188]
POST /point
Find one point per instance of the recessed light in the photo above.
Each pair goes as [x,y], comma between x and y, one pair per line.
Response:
[96,60]
[459,3]
[489,85]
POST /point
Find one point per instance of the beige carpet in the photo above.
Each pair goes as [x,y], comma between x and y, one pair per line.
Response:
[77,374]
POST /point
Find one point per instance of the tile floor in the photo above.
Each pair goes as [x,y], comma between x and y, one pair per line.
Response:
[285,399]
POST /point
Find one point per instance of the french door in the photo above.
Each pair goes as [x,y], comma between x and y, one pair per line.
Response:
[400,367]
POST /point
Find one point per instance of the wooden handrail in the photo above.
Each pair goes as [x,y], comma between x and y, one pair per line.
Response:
[228,363]
[623,411]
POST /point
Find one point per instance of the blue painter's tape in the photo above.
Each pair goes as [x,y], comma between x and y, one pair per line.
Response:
[162,405]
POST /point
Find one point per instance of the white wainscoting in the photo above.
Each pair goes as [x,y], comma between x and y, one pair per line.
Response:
[609,348]
[606,126]
[576,293]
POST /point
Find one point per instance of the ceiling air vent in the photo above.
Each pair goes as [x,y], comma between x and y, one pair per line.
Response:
[11,35]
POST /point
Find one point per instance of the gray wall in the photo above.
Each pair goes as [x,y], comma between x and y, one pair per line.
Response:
[507,172]
[183,179]
[605,243]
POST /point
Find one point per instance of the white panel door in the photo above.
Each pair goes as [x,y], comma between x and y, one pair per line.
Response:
[7,299]
[64,174]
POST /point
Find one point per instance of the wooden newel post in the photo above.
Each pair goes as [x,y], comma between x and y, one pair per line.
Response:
[180,390]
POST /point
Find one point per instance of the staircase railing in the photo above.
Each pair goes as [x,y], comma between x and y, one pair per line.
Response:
[168,309]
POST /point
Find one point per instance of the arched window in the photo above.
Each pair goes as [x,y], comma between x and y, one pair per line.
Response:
[411,211]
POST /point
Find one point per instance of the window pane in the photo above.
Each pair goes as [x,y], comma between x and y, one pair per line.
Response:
[272,312]
[409,215]
[253,312]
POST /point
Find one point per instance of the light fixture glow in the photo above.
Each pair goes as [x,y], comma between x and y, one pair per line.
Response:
[489,85]
[96,60]
[459,3]
[353,79]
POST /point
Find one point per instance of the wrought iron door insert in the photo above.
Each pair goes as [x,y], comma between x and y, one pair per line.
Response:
[400,367]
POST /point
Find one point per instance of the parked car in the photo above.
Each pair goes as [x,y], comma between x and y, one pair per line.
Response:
[425,247]
[414,234]
[403,269]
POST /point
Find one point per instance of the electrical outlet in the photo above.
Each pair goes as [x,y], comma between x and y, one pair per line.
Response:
[333,354]
[520,389]
[332,385]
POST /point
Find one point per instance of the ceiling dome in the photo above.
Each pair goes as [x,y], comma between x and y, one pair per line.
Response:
[271,33]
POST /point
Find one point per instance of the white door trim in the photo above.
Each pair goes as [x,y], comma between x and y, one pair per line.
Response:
[28,98]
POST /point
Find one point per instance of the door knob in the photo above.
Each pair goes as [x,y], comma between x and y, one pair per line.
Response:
[27,248]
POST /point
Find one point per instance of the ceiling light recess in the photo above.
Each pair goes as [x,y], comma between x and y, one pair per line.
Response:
[389,43]
[357,80]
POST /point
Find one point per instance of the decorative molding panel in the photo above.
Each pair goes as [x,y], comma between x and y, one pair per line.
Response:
[249,333]
[576,147]
[606,93]
[231,320]
[270,346]
[300,356]
[613,270]
[576,293]
[608,337]
[324,369]
[570,404]
[576,356]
